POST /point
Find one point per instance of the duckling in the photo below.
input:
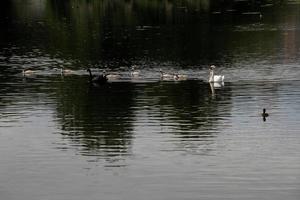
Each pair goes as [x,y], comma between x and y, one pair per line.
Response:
[164,75]
[66,71]
[180,77]
[112,76]
[28,72]
[134,72]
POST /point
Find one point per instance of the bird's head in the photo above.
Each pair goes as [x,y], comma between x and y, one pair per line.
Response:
[212,67]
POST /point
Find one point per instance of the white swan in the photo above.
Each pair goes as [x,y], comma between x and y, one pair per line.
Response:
[134,72]
[215,78]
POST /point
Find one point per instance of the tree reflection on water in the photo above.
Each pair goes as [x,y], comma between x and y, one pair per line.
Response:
[100,120]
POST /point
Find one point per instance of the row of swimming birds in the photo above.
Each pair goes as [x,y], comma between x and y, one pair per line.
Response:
[104,77]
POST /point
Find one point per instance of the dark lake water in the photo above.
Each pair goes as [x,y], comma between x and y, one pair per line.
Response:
[144,137]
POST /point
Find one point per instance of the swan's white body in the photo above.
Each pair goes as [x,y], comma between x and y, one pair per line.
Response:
[215,78]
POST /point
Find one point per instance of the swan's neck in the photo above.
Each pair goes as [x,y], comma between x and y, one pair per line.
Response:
[211,76]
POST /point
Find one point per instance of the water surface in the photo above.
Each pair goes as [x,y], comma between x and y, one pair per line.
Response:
[142,137]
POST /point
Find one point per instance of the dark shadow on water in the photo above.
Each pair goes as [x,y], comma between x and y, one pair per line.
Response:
[99,120]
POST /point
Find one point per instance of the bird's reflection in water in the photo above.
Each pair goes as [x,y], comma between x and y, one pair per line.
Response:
[215,86]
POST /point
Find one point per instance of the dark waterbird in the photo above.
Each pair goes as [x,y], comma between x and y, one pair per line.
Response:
[99,79]
[264,114]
